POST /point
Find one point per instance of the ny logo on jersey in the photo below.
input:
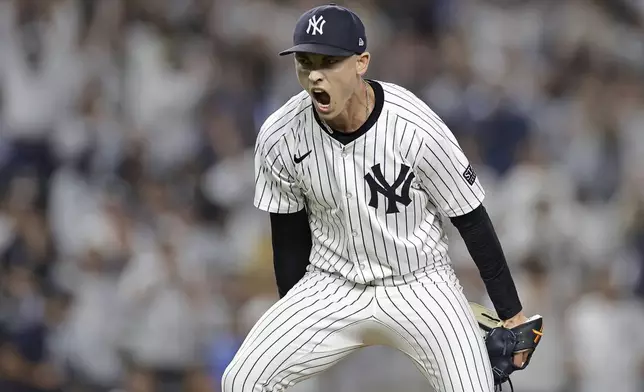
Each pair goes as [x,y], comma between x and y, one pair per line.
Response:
[316,25]
[380,185]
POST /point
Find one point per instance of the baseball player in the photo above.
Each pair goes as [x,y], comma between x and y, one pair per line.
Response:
[358,176]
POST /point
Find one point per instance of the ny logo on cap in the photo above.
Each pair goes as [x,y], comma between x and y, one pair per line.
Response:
[316,24]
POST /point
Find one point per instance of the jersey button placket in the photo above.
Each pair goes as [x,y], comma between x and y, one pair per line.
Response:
[347,174]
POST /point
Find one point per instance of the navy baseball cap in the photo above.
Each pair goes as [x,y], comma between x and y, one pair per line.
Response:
[331,30]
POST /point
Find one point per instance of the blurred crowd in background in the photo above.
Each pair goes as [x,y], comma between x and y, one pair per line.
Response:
[132,258]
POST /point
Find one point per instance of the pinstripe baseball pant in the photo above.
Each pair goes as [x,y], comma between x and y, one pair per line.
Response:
[325,318]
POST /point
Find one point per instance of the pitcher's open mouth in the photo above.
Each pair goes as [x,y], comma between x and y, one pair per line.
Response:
[322,100]
[321,97]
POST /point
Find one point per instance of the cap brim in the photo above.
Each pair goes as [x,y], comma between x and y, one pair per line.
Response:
[317,49]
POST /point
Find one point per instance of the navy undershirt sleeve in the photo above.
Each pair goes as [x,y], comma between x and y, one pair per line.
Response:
[291,240]
[481,240]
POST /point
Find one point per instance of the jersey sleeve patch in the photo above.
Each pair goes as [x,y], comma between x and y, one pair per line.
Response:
[469,175]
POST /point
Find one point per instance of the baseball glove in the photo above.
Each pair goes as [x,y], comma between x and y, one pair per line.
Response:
[502,343]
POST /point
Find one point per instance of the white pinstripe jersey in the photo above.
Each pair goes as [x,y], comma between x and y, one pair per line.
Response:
[376,198]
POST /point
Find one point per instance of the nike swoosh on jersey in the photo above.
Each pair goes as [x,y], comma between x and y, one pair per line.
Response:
[300,159]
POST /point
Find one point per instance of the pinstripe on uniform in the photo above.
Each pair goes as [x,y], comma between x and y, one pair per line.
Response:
[376,207]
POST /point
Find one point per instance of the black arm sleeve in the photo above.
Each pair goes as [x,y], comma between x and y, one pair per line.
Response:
[291,239]
[483,245]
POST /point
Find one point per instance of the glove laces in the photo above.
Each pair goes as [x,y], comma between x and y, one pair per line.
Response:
[499,388]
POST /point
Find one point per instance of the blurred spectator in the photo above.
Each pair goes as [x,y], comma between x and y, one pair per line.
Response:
[635,240]
[542,295]
[603,325]
[502,135]
[29,361]
[93,327]
[163,295]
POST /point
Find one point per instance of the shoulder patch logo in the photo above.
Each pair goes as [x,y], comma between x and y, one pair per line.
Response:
[469,175]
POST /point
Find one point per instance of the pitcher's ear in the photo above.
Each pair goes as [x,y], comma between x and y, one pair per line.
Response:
[362,63]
